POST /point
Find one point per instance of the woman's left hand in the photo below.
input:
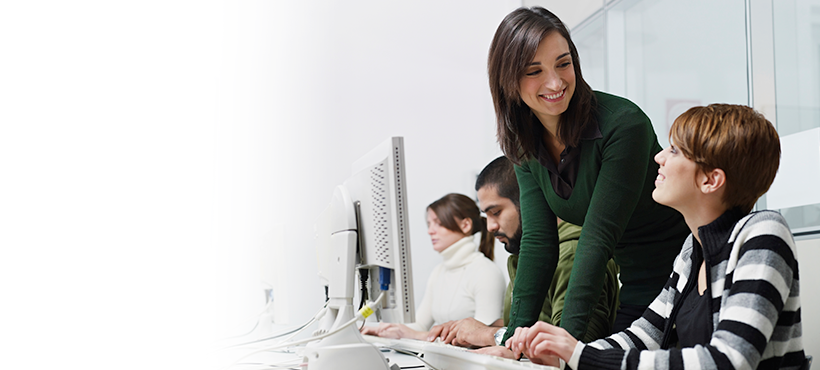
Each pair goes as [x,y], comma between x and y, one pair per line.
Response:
[499,351]
[542,343]
[395,331]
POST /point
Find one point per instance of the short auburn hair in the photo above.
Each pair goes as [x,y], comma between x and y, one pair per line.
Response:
[735,139]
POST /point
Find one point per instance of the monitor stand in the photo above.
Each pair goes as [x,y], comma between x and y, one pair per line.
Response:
[345,350]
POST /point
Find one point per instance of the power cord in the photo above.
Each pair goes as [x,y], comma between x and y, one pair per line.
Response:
[293,332]
[290,364]
[416,355]
[363,276]
[361,314]
[255,325]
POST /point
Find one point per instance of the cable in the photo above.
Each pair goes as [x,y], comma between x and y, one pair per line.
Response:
[316,317]
[363,276]
[414,355]
[294,331]
[255,325]
[289,364]
[303,341]
[361,314]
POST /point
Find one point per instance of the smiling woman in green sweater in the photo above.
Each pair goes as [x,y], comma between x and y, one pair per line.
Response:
[585,157]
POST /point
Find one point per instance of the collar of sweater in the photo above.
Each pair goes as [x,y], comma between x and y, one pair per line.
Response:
[460,253]
[715,235]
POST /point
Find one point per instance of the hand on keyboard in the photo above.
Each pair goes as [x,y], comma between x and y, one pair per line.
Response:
[467,332]
[395,331]
[499,351]
[542,343]
[445,356]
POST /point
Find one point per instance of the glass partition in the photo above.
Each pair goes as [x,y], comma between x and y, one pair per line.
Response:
[589,40]
[674,55]
[636,49]
[669,55]
[796,28]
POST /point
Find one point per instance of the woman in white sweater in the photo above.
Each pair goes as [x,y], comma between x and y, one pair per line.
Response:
[467,283]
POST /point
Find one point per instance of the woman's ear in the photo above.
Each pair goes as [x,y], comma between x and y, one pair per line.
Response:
[713,181]
[466,225]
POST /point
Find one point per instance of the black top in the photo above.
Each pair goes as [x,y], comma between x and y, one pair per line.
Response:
[564,175]
[694,320]
[694,324]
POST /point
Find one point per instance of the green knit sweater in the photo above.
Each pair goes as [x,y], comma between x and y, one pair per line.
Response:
[612,200]
[600,324]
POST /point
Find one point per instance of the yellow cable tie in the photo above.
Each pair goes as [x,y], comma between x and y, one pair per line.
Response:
[366,311]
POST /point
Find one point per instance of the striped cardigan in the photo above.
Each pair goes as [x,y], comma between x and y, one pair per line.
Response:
[751,264]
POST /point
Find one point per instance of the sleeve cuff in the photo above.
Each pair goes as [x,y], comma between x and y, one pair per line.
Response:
[576,355]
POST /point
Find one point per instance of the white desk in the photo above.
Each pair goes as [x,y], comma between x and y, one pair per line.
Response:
[440,356]
[292,359]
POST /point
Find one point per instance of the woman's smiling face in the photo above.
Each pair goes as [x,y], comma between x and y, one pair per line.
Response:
[549,80]
[676,184]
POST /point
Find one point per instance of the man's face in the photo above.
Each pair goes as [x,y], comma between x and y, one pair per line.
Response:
[503,219]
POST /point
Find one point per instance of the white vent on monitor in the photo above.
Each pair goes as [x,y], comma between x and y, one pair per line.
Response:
[378,192]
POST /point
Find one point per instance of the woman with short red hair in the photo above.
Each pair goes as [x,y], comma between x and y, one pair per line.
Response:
[733,299]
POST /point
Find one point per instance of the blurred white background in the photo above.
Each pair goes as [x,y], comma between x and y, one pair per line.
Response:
[159,159]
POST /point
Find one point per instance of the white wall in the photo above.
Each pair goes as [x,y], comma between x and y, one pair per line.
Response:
[326,83]
[108,185]
[571,12]
[808,253]
[154,153]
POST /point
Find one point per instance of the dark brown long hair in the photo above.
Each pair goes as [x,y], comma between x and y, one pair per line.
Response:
[514,45]
[454,207]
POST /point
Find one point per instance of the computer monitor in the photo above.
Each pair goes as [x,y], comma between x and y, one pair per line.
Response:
[366,227]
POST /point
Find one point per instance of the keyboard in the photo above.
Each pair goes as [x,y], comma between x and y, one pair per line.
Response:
[445,356]
[411,345]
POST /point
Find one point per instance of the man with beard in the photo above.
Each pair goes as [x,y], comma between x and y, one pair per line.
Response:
[498,198]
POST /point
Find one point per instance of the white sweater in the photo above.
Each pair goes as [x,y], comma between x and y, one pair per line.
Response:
[466,284]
